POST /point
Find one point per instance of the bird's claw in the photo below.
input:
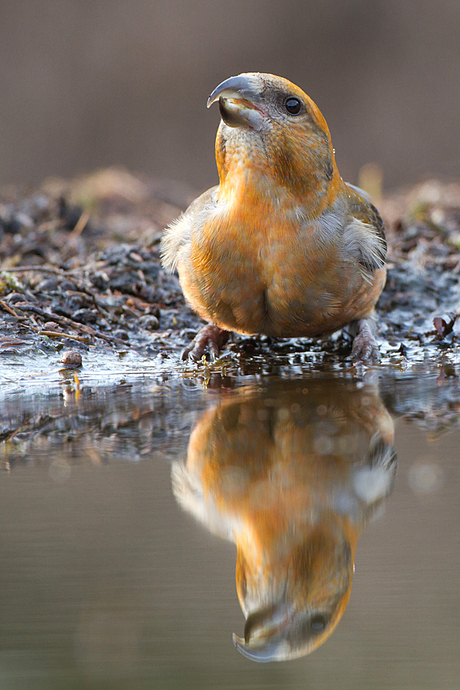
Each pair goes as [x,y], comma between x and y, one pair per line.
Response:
[209,338]
[365,348]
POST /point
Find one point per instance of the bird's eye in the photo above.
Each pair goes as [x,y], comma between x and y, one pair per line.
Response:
[293,105]
[318,623]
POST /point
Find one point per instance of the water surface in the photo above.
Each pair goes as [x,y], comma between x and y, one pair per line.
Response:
[128,505]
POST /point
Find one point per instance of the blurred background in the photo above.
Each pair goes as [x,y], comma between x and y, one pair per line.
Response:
[85,84]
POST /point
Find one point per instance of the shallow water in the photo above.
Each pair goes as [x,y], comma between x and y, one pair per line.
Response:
[123,500]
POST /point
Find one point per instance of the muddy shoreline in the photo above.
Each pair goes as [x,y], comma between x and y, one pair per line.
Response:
[80,270]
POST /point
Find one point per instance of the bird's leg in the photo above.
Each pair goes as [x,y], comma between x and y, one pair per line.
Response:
[210,338]
[365,347]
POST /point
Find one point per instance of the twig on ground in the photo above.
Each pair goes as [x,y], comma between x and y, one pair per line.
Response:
[65,321]
[11,311]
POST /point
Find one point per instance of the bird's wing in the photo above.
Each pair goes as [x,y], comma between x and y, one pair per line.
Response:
[178,233]
[358,190]
[364,234]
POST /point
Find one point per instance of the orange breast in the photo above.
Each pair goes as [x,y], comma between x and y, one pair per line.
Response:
[254,269]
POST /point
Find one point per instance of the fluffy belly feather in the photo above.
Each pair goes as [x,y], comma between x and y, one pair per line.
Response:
[287,306]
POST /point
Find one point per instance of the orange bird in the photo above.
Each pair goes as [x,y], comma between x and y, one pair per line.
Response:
[282,246]
[291,475]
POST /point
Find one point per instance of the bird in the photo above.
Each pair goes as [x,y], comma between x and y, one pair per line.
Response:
[291,474]
[282,246]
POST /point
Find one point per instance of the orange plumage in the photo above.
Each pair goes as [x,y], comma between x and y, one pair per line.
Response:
[291,475]
[283,246]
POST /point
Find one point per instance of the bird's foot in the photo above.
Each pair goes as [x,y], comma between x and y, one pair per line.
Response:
[211,338]
[365,348]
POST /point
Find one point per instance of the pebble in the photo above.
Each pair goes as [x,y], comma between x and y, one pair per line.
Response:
[121,334]
[67,285]
[149,322]
[48,285]
[71,359]
[85,316]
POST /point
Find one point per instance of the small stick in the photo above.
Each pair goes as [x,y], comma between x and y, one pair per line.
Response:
[11,311]
[38,269]
[63,320]
[58,334]
[80,226]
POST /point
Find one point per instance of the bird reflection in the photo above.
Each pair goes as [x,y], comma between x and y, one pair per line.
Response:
[291,474]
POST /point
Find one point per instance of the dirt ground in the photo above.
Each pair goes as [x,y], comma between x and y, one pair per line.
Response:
[80,269]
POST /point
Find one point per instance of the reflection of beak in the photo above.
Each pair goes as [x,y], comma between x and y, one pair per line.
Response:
[238,103]
[271,651]
[264,635]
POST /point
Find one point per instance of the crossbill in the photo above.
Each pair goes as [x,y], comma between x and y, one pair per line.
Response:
[282,246]
[291,475]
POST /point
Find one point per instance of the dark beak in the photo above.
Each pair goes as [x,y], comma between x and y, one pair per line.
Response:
[239,102]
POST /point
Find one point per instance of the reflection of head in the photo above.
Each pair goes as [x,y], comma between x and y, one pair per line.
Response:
[315,592]
[291,475]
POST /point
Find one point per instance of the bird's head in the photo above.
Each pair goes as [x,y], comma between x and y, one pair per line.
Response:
[272,132]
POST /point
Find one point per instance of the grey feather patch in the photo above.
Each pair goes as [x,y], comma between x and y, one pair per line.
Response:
[178,234]
[366,244]
[175,236]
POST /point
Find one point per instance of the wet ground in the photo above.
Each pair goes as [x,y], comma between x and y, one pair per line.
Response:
[135,486]
[80,270]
